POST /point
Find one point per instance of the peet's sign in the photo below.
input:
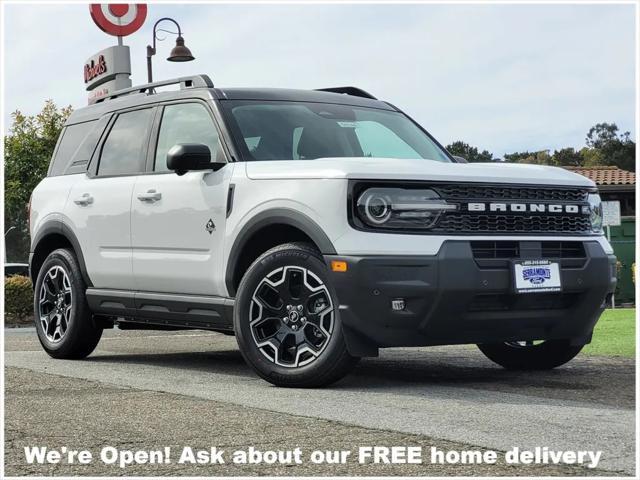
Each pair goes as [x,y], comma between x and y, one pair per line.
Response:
[94,69]
[110,64]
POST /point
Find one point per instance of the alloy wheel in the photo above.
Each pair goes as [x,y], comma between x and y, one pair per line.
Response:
[55,301]
[291,316]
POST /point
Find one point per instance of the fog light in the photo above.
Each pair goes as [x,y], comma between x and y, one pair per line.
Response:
[397,304]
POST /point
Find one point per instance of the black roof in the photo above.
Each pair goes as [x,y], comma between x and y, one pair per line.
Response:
[295,95]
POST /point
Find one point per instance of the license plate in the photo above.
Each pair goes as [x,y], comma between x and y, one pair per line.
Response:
[533,276]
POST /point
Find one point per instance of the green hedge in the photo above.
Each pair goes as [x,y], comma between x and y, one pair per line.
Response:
[18,297]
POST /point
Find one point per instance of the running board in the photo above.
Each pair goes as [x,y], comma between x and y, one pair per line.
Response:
[192,311]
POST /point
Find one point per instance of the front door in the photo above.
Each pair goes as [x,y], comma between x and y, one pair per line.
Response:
[178,222]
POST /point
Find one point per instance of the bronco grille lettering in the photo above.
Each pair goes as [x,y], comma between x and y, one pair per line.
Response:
[522,207]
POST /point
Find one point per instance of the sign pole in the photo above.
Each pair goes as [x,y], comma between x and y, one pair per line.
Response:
[613,295]
[611,218]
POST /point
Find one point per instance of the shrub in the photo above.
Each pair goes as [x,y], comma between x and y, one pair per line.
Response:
[18,297]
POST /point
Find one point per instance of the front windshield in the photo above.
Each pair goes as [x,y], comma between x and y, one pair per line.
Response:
[283,130]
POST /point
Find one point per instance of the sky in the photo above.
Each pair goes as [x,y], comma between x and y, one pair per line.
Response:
[500,77]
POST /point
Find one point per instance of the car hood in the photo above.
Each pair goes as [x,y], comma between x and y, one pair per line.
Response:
[403,169]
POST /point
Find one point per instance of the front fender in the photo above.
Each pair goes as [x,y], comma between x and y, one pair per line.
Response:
[285,216]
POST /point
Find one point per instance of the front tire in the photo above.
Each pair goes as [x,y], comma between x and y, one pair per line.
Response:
[287,321]
[63,320]
[530,356]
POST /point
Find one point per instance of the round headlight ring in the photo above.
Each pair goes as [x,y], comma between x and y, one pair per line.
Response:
[377,208]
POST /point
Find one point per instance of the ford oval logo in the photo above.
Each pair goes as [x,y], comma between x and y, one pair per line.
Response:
[536,275]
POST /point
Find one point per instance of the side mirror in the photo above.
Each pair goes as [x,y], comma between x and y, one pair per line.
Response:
[184,157]
[459,159]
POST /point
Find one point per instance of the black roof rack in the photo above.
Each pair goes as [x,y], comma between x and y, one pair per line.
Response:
[354,91]
[195,81]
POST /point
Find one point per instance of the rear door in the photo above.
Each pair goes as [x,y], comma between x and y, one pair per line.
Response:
[99,205]
[178,222]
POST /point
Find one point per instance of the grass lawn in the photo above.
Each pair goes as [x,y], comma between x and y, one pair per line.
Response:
[615,334]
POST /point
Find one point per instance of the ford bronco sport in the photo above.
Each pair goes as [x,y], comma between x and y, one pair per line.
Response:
[316,226]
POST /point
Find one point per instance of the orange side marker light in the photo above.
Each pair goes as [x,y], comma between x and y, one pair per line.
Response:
[338,266]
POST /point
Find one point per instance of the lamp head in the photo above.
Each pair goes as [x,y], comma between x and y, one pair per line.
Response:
[180,53]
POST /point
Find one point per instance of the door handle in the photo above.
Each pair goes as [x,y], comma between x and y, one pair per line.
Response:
[85,199]
[149,196]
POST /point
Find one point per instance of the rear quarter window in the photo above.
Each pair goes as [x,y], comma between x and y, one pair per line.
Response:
[77,143]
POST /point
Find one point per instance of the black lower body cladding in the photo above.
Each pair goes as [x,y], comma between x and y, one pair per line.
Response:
[456,297]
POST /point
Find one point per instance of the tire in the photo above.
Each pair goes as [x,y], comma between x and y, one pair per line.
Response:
[544,356]
[297,347]
[65,327]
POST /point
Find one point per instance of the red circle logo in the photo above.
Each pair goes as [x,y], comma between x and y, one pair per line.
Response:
[118,19]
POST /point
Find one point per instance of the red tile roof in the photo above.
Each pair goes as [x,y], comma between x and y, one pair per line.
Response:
[606,175]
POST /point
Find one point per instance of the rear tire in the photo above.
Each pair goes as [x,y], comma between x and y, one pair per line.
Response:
[544,356]
[287,320]
[64,323]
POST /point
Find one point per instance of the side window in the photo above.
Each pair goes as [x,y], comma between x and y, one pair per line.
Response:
[124,149]
[185,123]
[297,133]
[76,145]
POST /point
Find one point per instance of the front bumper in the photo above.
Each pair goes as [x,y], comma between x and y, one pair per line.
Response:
[455,297]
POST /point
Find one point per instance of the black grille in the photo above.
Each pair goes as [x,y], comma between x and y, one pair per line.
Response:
[495,250]
[563,250]
[533,301]
[513,223]
[519,222]
[490,192]
[506,250]
[499,254]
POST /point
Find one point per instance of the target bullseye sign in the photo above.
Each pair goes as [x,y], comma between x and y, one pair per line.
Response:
[118,19]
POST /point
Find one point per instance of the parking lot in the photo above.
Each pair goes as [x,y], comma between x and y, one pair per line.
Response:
[143,390]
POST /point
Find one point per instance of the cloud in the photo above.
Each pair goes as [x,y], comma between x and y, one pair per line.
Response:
[502,77]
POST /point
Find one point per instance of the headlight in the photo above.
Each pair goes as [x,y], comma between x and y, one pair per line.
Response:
[595,211]
[400,208]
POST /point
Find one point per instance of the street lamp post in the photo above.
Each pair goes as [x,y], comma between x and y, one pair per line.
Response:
[5,242]
[179,53]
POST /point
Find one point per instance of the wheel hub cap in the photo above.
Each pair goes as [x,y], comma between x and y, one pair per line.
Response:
[291,316]
[54,304]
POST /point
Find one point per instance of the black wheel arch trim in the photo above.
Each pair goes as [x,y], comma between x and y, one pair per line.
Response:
[265,218]
[58,227]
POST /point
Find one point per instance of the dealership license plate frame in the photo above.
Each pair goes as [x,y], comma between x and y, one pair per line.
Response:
[545,278]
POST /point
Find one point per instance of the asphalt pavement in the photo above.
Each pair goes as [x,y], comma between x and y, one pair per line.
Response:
[150,389]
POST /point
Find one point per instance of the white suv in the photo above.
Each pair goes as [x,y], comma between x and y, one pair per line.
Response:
[316,226]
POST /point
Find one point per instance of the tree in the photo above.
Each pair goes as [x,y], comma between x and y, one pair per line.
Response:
[601,134]
[517,157]
[471,154]
[567,157]
[615,149]
[538,158]
[591,157]
[28,150]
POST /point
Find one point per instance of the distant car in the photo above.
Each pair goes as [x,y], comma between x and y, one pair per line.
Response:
[16,269]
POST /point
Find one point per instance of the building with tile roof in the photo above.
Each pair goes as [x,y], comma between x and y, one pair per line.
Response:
[617,184]
[613,184]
